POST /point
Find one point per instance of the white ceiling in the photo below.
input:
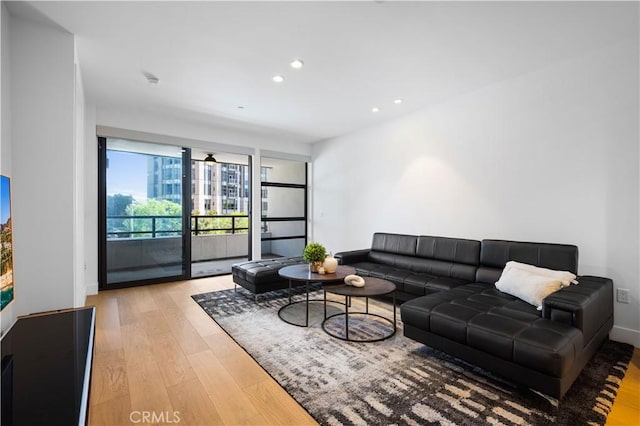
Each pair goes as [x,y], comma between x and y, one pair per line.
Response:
[212,57]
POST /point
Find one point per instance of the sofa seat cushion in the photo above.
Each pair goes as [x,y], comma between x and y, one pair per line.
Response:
[550,344]
[440,283]
[365,268]
[418,283]
[482,317]
[397,276]
[407,281]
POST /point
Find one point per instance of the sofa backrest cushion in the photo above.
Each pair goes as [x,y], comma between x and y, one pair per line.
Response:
[449,249]
[494,255]
[394,243]
[437,256]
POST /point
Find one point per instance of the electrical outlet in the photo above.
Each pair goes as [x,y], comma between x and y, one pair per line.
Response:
[622,295]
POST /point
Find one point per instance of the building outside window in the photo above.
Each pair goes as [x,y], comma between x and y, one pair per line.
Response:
[221,187]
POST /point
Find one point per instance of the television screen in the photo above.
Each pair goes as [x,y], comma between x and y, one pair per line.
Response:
[6,243]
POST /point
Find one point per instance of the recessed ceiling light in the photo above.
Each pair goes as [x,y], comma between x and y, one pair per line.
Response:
[240,107]
[297,64]
[397,101]
[278,78]
[375,109]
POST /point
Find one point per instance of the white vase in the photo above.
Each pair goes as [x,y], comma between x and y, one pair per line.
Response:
[330,264]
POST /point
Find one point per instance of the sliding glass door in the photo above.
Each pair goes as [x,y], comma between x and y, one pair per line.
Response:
[220,199]
[144,216]
[165,216]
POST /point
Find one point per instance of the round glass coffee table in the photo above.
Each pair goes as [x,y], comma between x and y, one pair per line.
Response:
[301,273]
[373,287]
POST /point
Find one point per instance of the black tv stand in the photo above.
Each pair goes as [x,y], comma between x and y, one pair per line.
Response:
[46,368]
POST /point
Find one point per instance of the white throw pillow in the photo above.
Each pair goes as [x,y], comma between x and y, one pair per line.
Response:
[531,288]
[566,277]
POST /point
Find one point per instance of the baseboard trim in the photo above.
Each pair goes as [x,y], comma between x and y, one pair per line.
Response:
[625,335]
[92,289]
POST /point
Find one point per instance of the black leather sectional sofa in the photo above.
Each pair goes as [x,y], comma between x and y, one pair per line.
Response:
[453,305]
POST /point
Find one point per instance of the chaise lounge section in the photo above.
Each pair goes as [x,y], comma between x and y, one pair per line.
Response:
[542,349]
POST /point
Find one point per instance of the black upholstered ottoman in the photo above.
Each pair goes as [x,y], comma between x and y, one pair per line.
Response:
[261,276]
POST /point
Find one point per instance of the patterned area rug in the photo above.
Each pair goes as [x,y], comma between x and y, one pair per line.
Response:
[398,381]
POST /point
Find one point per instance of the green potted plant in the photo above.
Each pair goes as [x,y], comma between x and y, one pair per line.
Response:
[314,254]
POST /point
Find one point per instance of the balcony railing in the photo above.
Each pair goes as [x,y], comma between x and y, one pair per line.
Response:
[125,226]
[239,224]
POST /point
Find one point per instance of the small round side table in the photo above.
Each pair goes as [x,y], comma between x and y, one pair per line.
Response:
[373,287]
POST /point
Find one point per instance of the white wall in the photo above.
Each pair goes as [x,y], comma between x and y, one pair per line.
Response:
[550,156]
[5,91]
[90,179]
[153,122]
[7,316]
[80,286]
[42,161]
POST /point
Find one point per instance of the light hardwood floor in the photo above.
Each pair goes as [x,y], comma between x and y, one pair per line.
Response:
[159,355]
[626,409]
